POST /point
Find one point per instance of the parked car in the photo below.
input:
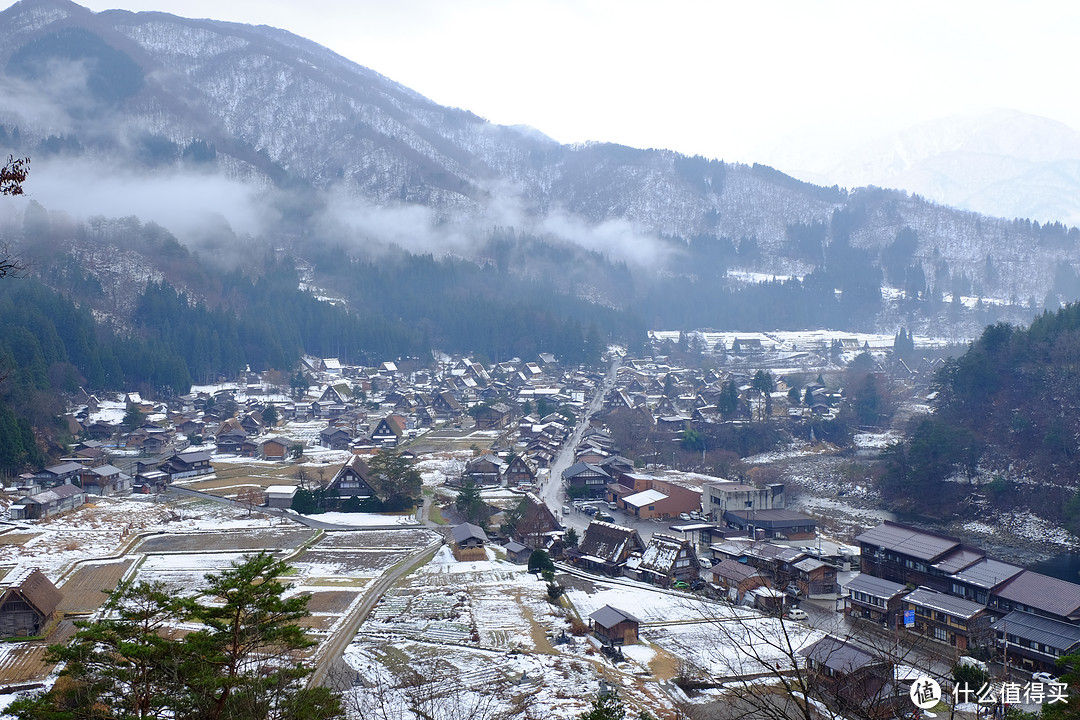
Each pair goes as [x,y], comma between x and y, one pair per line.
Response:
[684,516]
[588,510]
[1043,677]
[605,517]
[793,590]
[796,614]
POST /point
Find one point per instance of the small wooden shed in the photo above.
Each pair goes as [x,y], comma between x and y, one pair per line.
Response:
[612,626]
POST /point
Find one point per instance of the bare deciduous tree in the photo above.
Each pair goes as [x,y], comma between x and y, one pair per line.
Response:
[432,690]
[779,669]
[250,498]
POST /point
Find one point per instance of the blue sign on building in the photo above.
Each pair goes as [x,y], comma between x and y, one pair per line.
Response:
[909,618]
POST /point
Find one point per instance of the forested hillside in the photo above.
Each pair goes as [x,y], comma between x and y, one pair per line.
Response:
[1004,426]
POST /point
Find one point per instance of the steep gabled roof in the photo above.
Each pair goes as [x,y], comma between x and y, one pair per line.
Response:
[662,552]
[610,542]
[34,587]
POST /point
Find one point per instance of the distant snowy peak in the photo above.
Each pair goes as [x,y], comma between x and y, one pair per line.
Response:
[1002,163]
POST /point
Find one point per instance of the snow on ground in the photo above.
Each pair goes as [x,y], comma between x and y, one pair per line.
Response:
[363,519]
[728,648]
[186,573]
[109,411]
[792,340]
[102,527]
[646,603]
[1025,525]
[437,468]
[876,441]
[481,632]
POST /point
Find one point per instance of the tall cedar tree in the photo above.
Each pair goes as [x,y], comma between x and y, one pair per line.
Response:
[241,664]
[394,480]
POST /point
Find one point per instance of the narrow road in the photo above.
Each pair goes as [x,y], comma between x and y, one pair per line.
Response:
[329,664]
[552,492]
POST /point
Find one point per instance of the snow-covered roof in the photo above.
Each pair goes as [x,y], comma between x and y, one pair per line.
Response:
[661,553]
[645,497]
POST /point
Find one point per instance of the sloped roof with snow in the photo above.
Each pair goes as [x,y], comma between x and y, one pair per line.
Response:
[661,553]
[610,542]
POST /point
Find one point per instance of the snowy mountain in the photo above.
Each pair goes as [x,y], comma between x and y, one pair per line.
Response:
[212,128]
[1001,163]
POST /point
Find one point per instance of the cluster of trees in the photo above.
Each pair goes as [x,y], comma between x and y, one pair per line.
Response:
[1013,399]
[397,485]
[241,660]
[462,307]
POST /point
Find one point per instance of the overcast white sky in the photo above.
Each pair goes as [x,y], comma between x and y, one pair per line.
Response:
[722,79]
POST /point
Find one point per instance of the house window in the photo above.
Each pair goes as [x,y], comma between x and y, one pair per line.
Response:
[941,634]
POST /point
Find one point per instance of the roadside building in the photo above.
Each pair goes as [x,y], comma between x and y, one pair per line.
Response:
[874,598]
[961,623]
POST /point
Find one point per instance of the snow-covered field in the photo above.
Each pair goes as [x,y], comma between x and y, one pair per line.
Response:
[482,632]
[476,626]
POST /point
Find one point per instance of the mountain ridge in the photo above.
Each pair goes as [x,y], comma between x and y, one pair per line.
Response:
[302,142]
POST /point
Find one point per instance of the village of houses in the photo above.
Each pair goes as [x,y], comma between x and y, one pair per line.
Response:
[667,595]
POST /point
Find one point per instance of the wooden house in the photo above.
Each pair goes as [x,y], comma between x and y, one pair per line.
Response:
[445,406]
[875,599]
[28,602]
[492,417]
[736,579]
[536,523]
[58,474]
[961,623]
[814,577]
[389,431]
[606,547]
[469,542]
[856,682]
[335,438]
[612,626]
[352,480]
[189,464]
[276,448]
[668,560]
[47,503]
[586,480]
[517,553]
[519,471]
[105,480]
[484,471]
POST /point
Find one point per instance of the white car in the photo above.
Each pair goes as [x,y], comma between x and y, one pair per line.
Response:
[796,614]
[1043,677]
[684,516]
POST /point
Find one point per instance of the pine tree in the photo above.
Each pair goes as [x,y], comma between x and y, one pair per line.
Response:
[242,662]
